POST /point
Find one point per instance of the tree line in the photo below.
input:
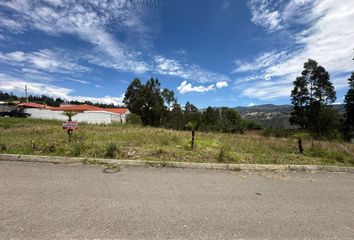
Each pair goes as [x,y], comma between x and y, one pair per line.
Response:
[151,105]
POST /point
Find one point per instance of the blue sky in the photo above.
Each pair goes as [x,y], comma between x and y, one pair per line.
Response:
[210,52]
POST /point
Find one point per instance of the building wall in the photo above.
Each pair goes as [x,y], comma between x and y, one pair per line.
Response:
[93,117]
[6,108]
[124,116]
[45,114]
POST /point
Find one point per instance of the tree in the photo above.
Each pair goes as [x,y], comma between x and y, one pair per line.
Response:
[146,101]
[349,109]
[191,113]
[153,107]
[209,119]
[176,120]
[169,97]
[231,120]
[299,100]
[134,97]
[312,99]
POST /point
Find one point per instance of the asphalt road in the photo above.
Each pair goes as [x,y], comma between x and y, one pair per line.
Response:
[45,201]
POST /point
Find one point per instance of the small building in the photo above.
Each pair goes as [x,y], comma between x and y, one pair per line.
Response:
[84,113]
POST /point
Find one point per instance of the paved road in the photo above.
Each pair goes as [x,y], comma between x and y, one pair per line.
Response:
[44,201]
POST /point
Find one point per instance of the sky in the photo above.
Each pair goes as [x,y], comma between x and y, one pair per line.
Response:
[209,52]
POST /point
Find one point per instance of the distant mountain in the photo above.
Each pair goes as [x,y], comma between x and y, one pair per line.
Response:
[272,116]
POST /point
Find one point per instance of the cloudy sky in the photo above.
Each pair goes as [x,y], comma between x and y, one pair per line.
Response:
[210,52]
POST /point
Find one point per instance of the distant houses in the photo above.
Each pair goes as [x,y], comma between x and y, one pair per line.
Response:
[84,113]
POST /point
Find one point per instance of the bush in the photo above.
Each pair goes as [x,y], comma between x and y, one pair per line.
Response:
[134,119]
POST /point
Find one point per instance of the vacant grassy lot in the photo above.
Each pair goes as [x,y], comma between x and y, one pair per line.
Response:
[39,137]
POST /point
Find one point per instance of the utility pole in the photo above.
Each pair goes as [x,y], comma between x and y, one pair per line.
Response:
[26,93]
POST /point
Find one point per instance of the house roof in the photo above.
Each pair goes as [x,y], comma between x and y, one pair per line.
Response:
[116,110]
[79,108]
[74,108]
[32,105]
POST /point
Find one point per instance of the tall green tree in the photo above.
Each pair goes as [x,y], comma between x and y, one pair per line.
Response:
[209,119]
[191,113]
[134,97]
[231,120]
[177,121]
[300,101]
[349,109]
[169,97]
[145,100]
[312,99]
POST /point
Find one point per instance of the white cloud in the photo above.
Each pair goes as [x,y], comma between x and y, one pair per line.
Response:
[105,100]
[221,84]
[89,21]
[13,84]
[192,72]
[15,26]
[10,84]
[95,22]
[251,104]
[186,87]
[267,90]
[79,81]
[275,15]
[265,59]
[264,14]
[45,59]
[328,39]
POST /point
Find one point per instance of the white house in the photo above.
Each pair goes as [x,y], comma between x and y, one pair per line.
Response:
[84,113]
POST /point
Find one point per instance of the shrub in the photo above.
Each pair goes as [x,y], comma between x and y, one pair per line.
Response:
[134,119]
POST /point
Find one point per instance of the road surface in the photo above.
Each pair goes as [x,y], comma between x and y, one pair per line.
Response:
[45,201]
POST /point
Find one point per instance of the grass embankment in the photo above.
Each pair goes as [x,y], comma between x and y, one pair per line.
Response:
[39,137]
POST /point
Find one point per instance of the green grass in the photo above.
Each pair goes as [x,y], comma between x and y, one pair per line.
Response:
[40,137]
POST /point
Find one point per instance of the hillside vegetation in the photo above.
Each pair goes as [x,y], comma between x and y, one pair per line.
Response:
[38,137]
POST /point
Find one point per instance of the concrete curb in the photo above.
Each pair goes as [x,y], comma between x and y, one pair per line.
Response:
[190,165]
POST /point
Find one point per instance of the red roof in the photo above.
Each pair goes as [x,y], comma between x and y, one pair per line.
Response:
[79,108]
[33,105]
[116,110]
[74,108]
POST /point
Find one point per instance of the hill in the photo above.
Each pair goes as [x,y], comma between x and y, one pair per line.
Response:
[272,116]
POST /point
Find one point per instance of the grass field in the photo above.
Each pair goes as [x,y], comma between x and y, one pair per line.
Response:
[40,137]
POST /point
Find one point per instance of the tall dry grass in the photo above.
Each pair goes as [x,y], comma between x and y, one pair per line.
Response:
[30,136]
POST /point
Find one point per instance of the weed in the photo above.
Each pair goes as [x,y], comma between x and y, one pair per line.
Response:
[236,169]
[111,150]
[76,150]
[223,153]
[43,137]
[3,147]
